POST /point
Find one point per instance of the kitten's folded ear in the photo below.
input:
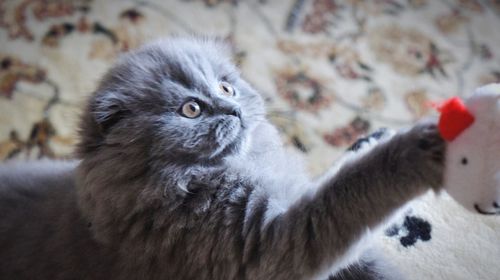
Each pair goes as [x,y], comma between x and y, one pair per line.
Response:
[104,110]
[107,109]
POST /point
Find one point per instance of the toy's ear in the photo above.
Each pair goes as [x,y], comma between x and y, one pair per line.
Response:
[485,99]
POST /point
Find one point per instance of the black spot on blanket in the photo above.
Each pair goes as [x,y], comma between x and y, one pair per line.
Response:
[413,229]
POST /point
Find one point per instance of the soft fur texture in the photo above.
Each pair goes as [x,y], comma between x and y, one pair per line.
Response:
[472,175]
[157,195]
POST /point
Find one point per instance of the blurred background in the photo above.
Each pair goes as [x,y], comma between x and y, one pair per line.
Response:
[330,70]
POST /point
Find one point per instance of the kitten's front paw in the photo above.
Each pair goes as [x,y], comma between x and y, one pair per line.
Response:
[424,152]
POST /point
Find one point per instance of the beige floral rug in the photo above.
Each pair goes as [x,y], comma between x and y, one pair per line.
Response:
[330,71]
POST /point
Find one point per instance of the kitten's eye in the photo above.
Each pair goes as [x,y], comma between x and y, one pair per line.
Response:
[226,89]
[191,109]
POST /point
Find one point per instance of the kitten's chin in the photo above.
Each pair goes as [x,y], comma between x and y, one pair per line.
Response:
[233,143]
[227,150]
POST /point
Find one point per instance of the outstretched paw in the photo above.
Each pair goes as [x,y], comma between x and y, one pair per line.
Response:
[425,152]
[431,142]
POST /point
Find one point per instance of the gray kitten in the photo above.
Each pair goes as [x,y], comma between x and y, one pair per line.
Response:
[182,177]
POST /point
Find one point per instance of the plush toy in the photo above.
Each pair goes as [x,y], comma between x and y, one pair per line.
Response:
[472,132]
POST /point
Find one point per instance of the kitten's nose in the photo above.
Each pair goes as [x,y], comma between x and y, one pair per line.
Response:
[234,112]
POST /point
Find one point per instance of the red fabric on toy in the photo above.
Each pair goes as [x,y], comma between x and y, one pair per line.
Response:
[454,119]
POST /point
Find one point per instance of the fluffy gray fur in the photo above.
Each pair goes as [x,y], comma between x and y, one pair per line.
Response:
[156,195]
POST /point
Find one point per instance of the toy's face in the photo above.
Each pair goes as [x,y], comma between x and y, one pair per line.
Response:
[472,175]
[472,178]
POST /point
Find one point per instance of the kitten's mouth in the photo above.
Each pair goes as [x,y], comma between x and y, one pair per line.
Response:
[228,135]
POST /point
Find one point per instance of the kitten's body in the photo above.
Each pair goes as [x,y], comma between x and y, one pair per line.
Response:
[160,196]
[43,234]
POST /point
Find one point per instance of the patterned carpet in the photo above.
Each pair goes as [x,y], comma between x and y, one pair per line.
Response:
[330,71]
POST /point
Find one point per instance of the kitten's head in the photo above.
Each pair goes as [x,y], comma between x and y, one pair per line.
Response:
[179,100]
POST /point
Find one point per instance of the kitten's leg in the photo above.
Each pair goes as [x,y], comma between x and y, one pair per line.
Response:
[371,266]
[356,150]
[320,230]
[357,271]
[367,270]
